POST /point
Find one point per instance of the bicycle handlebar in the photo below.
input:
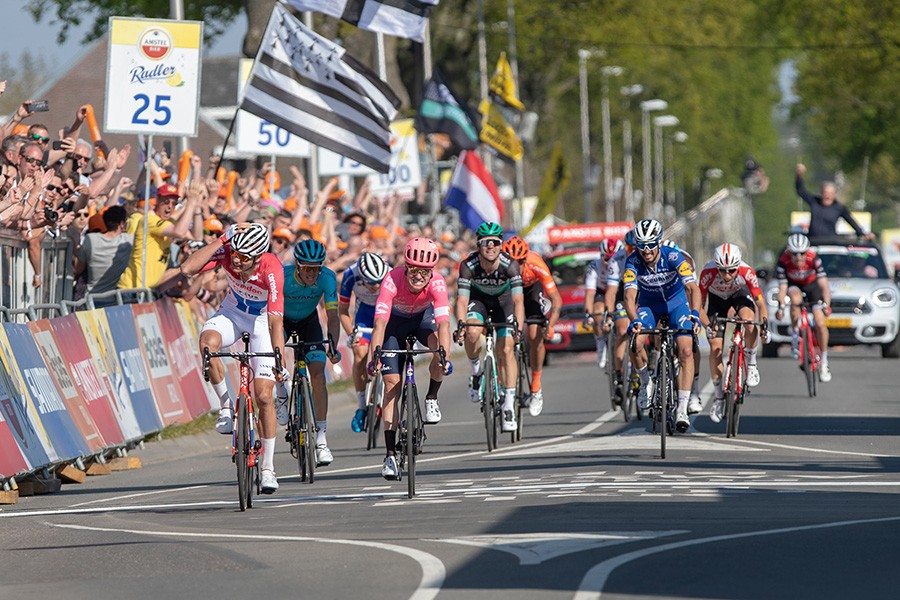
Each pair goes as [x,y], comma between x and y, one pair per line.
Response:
[241,357]
[657,331]
[739,321]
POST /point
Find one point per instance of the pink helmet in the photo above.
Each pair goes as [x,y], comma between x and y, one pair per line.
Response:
[421,252]
[609,246]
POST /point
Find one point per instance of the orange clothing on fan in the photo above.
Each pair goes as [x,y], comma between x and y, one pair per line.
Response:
[535,270]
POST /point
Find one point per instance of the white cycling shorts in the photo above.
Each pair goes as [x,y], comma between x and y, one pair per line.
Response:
[230,323]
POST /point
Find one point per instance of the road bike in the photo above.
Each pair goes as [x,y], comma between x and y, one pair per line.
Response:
[735,376]
[491,390]
[410,425]
[245,445]
[523,381]
[374,393]
[664,403]
[301,427]
[810,357]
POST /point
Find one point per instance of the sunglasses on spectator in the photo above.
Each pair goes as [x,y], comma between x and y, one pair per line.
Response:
[280,240]
[423,272]
[39,138]
[644,246]
[357,223]
[80,157]
[81,213]
[489,243]
[731,270]
[55,188]
[33,160]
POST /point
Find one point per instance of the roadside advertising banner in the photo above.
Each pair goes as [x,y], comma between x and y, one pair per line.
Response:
[134,371]
[20,412]
[76,404]
[184,358]
[99,341]
[74,349]
[165,390]
[12,461]
[57,419]
[588,232]
[190,327]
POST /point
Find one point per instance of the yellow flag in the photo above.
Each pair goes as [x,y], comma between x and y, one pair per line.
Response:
[498,134]
[555,181]
[503,85]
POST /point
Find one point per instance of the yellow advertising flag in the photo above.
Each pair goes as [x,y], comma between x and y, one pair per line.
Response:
[498,134]
[503,85]
[556,179]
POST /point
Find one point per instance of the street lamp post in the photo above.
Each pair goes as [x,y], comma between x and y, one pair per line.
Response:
[648,106]
[628,194]
[679,137]
[659,123]
[583,55]
[605,73]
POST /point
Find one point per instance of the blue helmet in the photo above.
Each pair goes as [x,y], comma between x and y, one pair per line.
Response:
[629,237]
[309,252]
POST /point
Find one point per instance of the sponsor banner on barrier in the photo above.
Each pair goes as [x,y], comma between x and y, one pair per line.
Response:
[189,326]
[134,372]
[100,345]
[184,358]
[165,390]
[53,411]
[76,404]
[20,412]
[74,349]
[12,461]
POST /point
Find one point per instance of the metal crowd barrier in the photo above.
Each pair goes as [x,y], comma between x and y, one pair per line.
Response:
[17,272]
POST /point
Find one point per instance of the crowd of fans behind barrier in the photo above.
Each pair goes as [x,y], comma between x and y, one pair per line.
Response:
[62,185]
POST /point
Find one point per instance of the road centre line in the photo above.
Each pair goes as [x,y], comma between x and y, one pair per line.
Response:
[433,570]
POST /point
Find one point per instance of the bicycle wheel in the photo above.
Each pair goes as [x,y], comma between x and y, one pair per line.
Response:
[373,400]
[242,453]
[731,394]
[308,428]
[488,406]
[611,368]
[523,390]
[808,360]
[295,432]
[662,407]
[412,438]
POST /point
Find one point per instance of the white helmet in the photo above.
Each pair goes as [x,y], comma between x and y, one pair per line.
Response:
[647,231]
[670,244]
[727,256]
[252,242]
[797,243]
[371,267]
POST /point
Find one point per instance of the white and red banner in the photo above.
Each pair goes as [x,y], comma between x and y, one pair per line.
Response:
[588,232]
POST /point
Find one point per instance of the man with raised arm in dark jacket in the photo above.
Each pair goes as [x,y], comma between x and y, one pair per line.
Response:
[825,210]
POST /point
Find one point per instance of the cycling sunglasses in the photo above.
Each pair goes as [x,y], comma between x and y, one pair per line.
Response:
[731,270]
[647,245]
[423,272]
[490,243]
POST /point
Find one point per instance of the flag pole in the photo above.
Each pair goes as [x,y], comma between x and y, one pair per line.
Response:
[312,166]
[429,143]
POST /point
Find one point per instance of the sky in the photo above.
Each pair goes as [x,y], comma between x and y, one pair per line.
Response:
[20,28]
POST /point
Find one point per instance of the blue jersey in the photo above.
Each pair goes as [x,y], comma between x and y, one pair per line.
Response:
[662,283]
[353,283]
[300,300]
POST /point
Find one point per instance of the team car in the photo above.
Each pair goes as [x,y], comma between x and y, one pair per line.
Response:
[568,269]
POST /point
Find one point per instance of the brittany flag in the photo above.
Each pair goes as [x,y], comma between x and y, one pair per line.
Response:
[473,192]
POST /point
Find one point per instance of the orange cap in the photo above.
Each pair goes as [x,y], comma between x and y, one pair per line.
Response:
[213,225]
[290,204]
[336,194]
[379,232]
[283,232]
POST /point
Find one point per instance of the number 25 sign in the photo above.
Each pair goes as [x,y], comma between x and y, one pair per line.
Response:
[153,76]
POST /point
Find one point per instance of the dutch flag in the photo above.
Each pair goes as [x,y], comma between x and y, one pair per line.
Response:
[473,192]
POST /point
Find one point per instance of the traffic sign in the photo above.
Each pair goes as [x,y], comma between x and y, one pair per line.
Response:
[153,76]
[258,136]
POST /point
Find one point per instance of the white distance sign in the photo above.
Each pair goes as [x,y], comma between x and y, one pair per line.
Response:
[258,136]
[153,76]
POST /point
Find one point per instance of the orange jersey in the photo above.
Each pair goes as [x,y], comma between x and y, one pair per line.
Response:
[535,270]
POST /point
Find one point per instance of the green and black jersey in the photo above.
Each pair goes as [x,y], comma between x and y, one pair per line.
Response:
[475,282]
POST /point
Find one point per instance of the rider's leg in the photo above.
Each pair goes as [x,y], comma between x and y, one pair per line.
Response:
[621,326]
[360,356]
[262,391]
[716,368]
[506,360]
[751,334]
[821,332]
[213,341]
[472,345]
[389,401]
[316,370]
[536,353]
[796,298]
[600,337]
[684,344]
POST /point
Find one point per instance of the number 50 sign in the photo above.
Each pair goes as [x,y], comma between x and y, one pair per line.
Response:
[153,76]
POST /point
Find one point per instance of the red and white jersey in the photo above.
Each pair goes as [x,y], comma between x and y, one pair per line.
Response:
[743,283]
[804,273]
[394,297]
[262,293]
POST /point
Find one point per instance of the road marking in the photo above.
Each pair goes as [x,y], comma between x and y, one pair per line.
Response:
[620,443]
[129,496]
[535,548]
[433,571]
[817,450]
[593,582]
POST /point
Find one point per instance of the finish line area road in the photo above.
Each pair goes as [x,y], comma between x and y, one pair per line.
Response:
[804,503]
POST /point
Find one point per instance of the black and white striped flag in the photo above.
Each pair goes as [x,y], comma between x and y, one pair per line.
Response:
[308,85]
[402,18]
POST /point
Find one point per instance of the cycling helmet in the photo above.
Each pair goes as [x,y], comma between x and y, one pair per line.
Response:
[371,267]
[727,256]
[670,244]
[629,238]
[516,247]
[252,242]
[309,252]
[486,230]
[647,231]
[422,252]
[797,243]
[609,246]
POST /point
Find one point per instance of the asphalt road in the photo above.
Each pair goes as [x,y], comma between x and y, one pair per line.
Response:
[803,504]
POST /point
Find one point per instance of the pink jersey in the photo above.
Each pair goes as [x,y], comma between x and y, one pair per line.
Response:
[744,282]
[395,297]
[263,292]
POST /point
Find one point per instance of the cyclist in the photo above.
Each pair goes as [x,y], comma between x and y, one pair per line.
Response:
[412,301]
[596,281]
[255,305]
[536,282]
[729,284]
[800,273]
[361,281]
[308,282]
[490,290]
[666,285]
[614,298]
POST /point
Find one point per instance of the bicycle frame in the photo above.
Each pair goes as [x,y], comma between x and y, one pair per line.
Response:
[735,373]
[810,356]
[491,388]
